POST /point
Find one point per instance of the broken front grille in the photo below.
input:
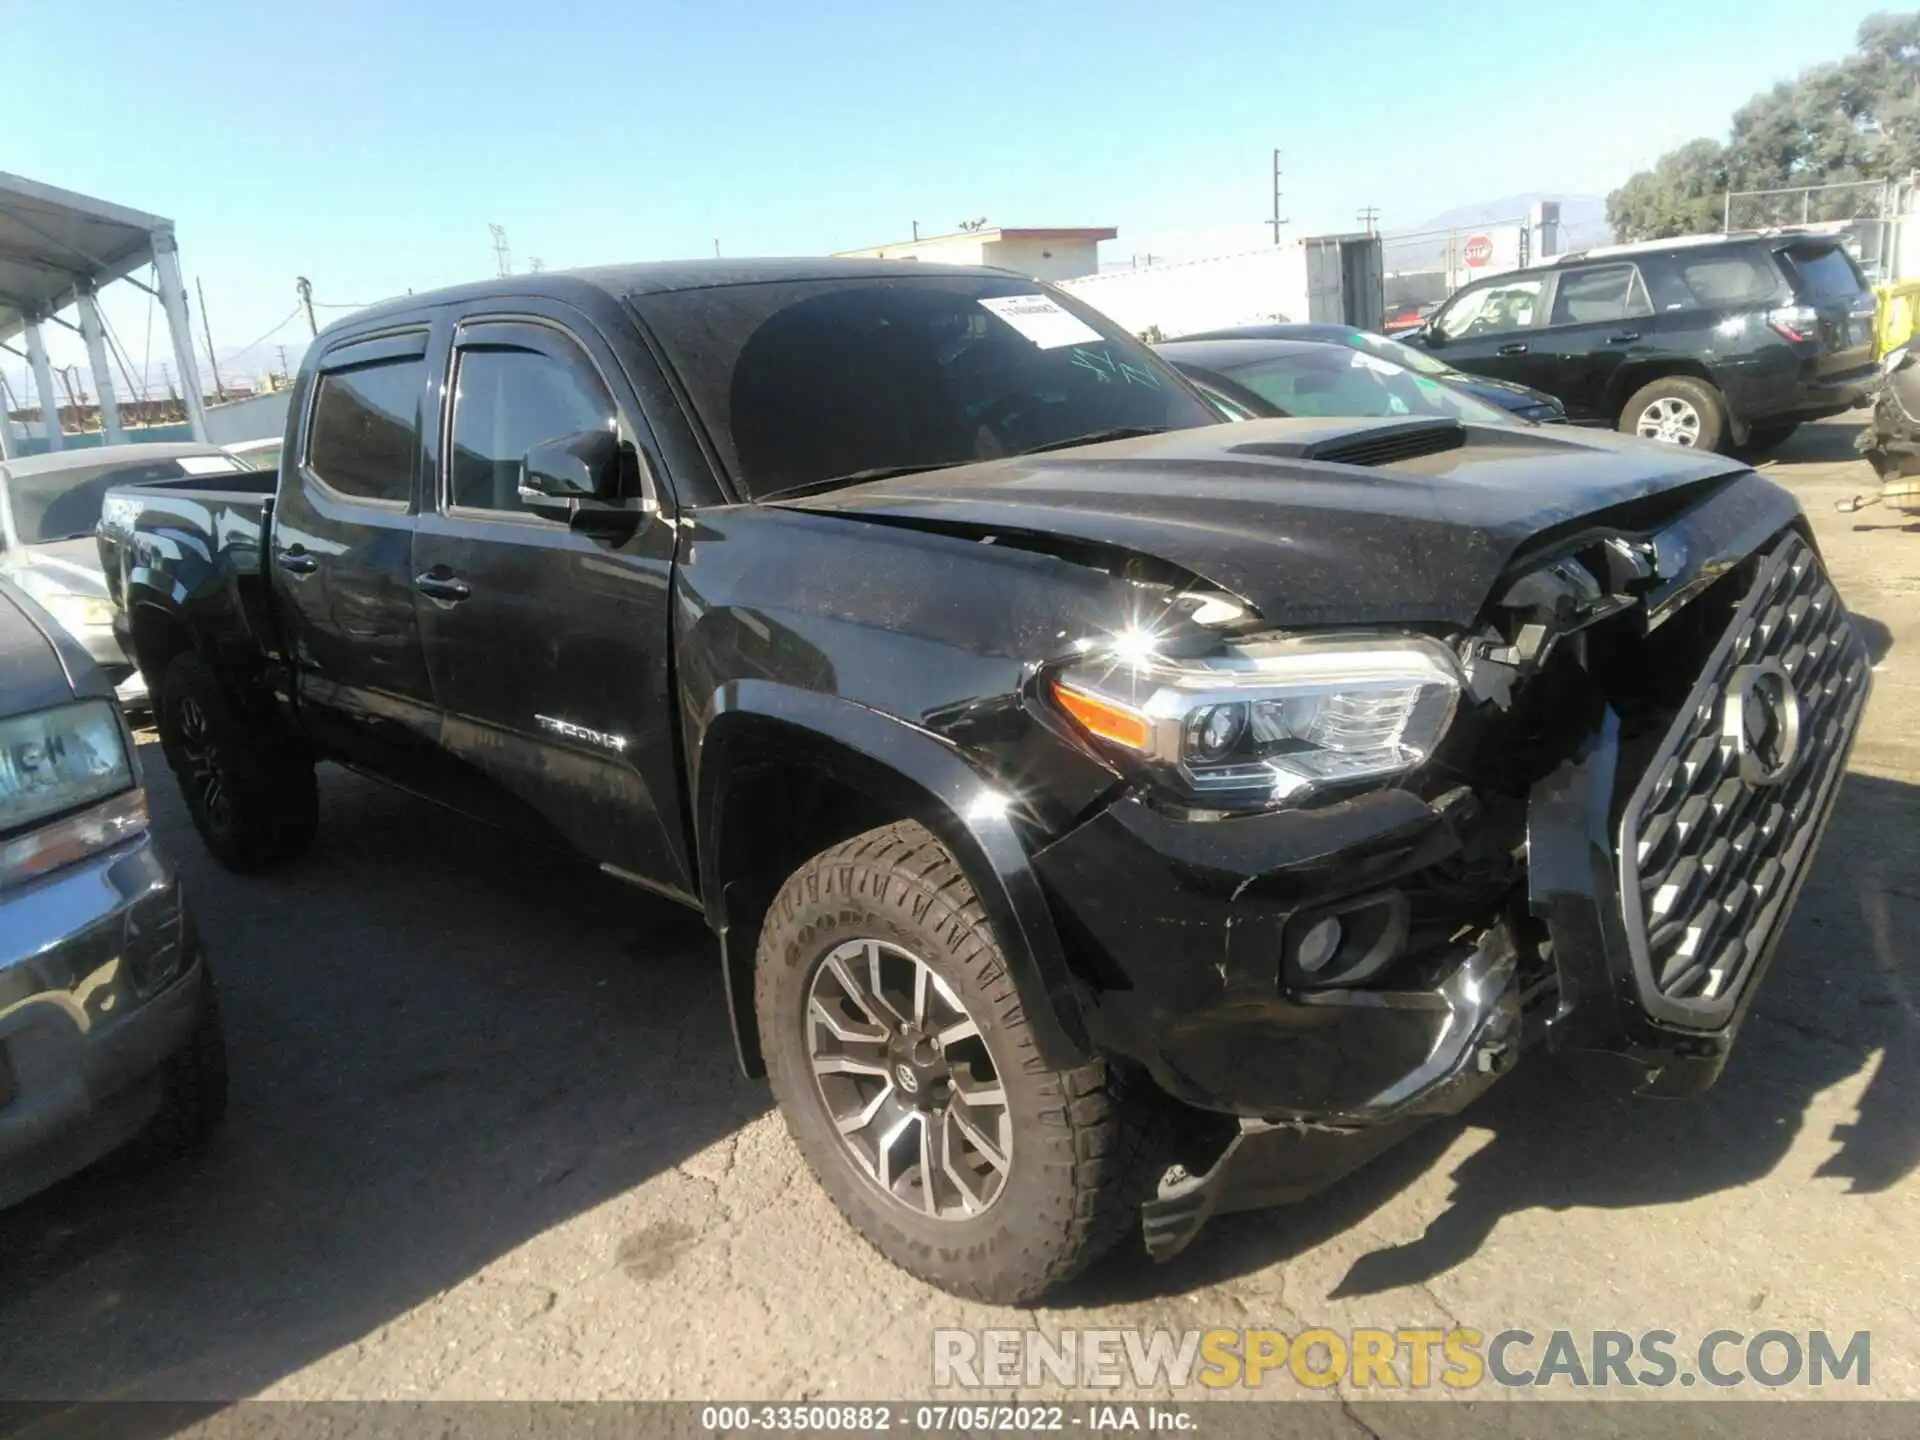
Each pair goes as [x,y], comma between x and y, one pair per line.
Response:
[1714,841]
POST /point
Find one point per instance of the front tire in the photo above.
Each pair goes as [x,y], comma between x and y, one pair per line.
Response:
[1677,410]
[899,1053]
[253,798]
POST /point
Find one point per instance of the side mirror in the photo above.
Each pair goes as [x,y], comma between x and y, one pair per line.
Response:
[556,475]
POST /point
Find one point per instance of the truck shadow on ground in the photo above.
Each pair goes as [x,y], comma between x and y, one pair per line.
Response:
[442,1045]
[1822,444]
[1844,989]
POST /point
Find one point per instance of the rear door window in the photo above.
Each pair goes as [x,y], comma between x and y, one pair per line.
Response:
[1823,272]
[1599,294]
[365,430]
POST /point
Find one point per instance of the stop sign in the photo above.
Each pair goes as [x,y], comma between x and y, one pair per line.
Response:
[1479,251]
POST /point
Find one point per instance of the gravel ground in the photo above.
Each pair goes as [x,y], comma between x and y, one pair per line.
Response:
[488,1141]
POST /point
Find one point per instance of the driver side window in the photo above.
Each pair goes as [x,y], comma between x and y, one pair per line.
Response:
[507,401]
[1494,310]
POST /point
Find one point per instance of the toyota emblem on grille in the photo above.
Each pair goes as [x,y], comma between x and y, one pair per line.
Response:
[1760,722]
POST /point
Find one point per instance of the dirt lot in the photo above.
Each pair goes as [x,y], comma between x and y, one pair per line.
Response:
[488,1140]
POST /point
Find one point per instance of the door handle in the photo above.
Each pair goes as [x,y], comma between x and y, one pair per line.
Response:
[1515,349]
[1625,337]
[442,587]
[296,562]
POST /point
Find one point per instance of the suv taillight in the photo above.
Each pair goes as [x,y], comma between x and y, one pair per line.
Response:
[1798,323]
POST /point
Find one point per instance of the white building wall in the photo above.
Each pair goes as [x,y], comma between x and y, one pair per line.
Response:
[1045,259]
[943,250]
[1178,299]
[259,417]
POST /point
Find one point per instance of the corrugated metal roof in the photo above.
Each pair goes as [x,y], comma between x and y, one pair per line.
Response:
[53,240]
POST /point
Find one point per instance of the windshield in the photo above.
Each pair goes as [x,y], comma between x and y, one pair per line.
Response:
[802,382]
[1332,381]
[65,504]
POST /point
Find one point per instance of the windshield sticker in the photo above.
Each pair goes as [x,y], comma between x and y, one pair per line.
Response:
[1102,363]
[1361,360]
[1041,320]
[204,465]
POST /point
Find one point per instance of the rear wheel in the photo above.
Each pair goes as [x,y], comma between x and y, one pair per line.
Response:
[252,796]
[1677,410]
[907,1072]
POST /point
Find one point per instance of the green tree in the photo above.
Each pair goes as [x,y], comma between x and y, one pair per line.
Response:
[1855,119]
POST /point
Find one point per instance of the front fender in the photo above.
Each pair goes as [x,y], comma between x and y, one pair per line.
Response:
[923,777]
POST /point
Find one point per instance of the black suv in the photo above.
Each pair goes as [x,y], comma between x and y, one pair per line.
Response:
[1713,342]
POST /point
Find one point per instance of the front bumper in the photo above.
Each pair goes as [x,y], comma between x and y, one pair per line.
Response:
[100,981]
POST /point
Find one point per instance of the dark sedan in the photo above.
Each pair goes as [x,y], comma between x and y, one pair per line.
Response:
[109,1037]
[1527,403]
[1263,379]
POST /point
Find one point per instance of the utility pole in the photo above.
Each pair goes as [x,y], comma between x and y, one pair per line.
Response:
[1277,221]
[304,287]
[502,256]
[916,230]
[1366,215]
[285,374]
[535,264]
[716,247]
[206,328]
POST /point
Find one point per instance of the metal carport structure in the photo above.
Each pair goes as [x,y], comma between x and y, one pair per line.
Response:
[57,249]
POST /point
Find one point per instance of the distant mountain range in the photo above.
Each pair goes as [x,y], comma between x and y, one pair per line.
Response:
[1583,218]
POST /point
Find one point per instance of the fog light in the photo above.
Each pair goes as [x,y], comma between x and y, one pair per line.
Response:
[1214,730]
[1319,945]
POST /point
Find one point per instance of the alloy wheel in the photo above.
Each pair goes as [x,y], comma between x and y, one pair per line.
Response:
[908,1081]
[1670,420]
[201,756]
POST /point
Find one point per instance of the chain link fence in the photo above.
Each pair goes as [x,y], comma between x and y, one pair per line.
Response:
[1423,267]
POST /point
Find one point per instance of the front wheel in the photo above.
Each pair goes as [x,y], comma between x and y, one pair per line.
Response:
[1677,410]
[907,1072]
[252,797]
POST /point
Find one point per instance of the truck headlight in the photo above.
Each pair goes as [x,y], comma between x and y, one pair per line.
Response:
[1271,718]
[67,788]
[73,611]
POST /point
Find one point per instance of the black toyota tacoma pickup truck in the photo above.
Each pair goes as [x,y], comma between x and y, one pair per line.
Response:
[1107,816]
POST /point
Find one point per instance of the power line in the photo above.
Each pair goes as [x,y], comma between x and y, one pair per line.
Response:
[292,315]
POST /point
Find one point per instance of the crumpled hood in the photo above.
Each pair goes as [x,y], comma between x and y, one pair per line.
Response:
[71,566]
[1307,542]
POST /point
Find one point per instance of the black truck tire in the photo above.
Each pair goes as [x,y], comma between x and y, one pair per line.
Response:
[1696,414]
[1078,1161]
[193,1090]
[253,797]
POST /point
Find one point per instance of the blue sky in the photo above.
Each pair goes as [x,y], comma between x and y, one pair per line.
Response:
[369,145]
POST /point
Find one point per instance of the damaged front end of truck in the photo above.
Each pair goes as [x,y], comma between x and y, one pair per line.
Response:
[1561,791]
[1600,854]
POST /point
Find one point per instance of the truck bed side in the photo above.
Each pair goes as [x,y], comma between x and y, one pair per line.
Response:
[183,565]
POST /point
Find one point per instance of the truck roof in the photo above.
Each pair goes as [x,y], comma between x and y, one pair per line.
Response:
[662,276]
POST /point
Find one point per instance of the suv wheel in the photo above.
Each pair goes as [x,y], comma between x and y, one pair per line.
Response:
[1677,410]
[897,1049]
[252,798]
